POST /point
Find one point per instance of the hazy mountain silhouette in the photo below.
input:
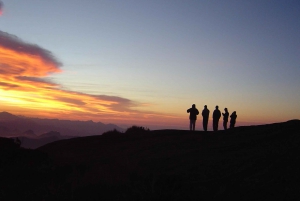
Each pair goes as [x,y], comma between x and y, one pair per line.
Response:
[29,133]
[13,126]
[31,142]
[5,116]
[76,128]
[51,134]
[244,163]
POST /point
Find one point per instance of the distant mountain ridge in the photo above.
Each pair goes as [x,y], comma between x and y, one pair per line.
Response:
[7,116]
[13,126]
[33,142]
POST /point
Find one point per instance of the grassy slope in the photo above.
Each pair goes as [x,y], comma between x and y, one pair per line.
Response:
[255,162]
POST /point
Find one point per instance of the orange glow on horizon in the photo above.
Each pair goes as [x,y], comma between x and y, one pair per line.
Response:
[25,89]
[23,85]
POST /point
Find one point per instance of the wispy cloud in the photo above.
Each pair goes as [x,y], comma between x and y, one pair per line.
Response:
[7,85]
[37,80]
[25,71]
[24,66]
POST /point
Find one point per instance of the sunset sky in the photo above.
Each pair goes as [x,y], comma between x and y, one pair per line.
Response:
[138,62]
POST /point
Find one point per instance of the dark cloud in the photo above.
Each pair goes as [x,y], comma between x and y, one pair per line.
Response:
[7,69]
[71,101]
[23,64]
[8,85]
[14,43]
[37,80]
[120,104]
[113,98]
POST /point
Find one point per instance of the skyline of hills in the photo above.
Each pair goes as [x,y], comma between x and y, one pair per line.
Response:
[12,125]
[35,132]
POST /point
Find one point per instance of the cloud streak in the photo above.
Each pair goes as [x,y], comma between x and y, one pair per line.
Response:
[24,82]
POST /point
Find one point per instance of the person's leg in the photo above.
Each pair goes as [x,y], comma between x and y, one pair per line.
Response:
[205,121]
[215,125]
[225,125]
[191,124]
[194,125]
[233,124]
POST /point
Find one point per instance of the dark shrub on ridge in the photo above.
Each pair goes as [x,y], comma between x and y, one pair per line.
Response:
[114,132]
[137,130]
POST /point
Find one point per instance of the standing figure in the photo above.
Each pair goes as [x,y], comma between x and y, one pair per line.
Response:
[216,117]
[225,118]
[193,116]
[205,115]
[233,117]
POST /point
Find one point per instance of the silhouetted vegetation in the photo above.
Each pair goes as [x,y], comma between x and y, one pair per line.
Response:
[137,130]
[114,132]
[130,130]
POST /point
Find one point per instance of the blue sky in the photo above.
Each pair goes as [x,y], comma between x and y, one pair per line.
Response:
[167,55]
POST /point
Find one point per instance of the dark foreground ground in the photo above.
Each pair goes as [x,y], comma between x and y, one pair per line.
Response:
[246,163]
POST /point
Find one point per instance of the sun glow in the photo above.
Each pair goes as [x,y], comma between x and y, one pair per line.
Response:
[24,83]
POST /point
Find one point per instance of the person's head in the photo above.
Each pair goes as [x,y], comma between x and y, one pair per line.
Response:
[193,106]
[217,107]
[225,109]
[205,106]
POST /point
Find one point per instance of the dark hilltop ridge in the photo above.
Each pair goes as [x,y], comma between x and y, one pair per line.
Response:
[244,163]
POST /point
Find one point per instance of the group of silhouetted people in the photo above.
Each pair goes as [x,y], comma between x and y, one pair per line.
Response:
[216,116]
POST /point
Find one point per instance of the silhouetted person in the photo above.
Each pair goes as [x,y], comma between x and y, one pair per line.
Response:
[205,115]
[233,117]
[225,118]
[216,117]
[193,116]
